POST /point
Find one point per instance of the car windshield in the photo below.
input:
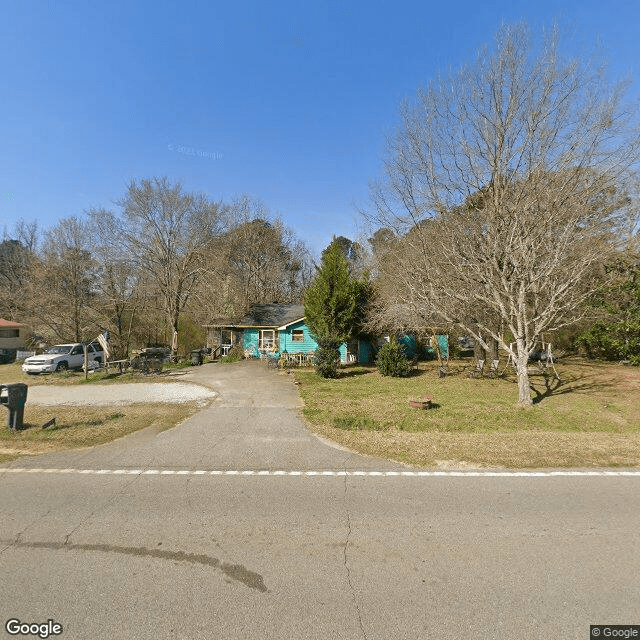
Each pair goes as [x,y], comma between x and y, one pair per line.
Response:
[59,348]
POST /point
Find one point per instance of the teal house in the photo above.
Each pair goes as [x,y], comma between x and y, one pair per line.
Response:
[276,328]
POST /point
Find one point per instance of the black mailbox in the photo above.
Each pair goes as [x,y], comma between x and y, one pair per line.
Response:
[14,397]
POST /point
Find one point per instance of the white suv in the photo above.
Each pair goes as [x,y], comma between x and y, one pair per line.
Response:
[63,356]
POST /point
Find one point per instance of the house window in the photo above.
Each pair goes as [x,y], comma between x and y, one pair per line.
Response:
[297,335]
[267,339]
[9,333]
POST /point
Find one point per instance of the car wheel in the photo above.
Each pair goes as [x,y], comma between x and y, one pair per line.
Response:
[62,366]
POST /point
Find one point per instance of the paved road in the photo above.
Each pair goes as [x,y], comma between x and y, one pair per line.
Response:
[217,529]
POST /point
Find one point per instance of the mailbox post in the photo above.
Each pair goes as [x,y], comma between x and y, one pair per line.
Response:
[14,397]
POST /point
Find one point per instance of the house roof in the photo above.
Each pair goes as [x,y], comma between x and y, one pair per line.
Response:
[288,324]
[8,323]
[272,315]
[266,315]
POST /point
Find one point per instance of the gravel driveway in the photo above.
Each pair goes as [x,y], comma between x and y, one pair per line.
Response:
[120,394]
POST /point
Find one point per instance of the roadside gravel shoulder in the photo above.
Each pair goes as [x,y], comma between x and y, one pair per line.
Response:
[120,394]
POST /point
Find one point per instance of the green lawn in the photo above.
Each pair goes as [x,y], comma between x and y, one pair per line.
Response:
[590,417]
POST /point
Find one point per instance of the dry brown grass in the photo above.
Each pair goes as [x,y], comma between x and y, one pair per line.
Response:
[591,418]
[10,373]
[78,427]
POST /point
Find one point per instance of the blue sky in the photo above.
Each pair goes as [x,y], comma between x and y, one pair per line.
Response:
[289,102]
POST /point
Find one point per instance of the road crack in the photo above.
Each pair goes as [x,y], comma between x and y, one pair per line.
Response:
[18,537]
[346,563]
[102,507]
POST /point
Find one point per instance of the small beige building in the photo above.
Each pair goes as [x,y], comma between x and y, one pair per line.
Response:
[13,336]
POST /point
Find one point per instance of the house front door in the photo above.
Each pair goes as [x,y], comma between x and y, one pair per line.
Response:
[226,341]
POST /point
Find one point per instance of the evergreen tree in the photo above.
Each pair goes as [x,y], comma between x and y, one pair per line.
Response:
[334,307]
[392,359]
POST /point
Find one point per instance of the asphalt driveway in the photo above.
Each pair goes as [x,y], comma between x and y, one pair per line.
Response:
[254,424]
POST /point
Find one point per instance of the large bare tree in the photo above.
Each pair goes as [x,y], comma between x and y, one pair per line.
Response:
[166,233]
[506,183]
[122,291]
[63,283]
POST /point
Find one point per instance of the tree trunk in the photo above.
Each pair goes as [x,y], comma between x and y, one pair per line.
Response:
[129,331]
[524,392]
[478,351]
[492,354]
[174,330]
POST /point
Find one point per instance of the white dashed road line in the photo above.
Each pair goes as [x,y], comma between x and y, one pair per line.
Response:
[333,474]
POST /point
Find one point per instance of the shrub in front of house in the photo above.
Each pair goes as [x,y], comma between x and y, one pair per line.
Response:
[327,358]
[392,360]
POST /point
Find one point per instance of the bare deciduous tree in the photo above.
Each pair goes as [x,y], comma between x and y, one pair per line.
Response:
[17,257]
[121,290]
[63,282]
[166,233]
[506,183]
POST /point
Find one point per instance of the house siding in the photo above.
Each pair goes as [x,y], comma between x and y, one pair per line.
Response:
[251,339]
[286,339]
[443,342]
[410,345]
[10,341]
[308,344]
[8,337]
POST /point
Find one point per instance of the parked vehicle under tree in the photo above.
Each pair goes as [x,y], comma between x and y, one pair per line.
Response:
[61,357]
